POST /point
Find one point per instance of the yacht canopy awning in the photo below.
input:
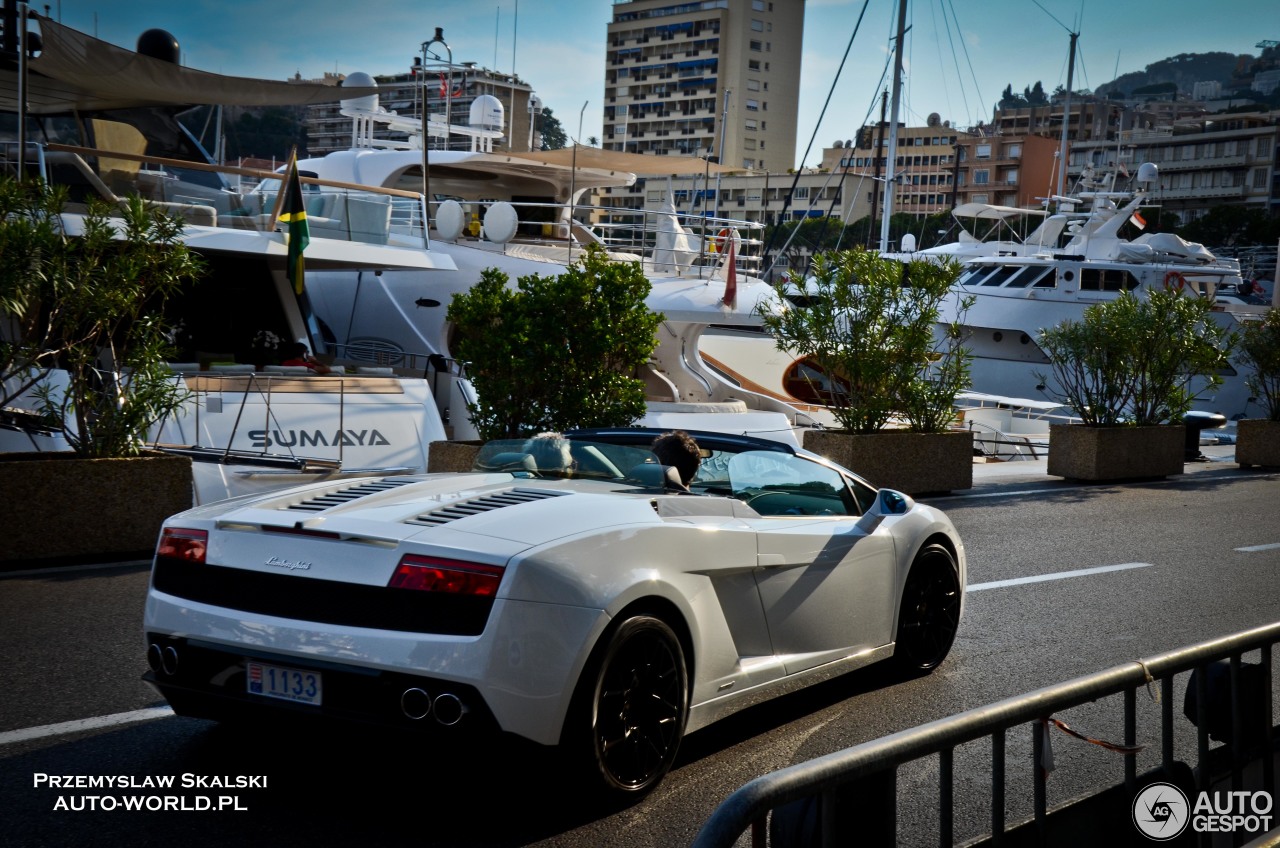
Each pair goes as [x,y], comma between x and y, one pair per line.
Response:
[77,72]
[640,164]
[988,212]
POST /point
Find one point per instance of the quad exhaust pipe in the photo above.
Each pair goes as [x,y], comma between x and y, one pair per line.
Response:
[417,704]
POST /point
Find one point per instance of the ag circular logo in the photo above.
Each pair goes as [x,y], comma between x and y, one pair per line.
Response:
[1161,812]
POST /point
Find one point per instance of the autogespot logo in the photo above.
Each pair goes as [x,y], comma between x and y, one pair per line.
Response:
[1161,812]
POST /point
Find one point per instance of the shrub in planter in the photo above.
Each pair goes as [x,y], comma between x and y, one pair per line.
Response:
[81,333]
[557,352]
[872,325]
[1133,360]
[1130,363]
[1258,440]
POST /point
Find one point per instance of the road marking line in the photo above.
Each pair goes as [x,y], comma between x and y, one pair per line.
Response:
[53,571]
[1057,575]
[1254,548]
[82,724]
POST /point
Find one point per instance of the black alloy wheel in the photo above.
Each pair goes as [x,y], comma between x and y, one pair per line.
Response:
[639,705]
[930,612]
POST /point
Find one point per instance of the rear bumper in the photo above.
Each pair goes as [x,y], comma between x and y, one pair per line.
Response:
[516,677]
[209,681]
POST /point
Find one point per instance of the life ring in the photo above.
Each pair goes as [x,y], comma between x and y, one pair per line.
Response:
[1174,281]
[721,242]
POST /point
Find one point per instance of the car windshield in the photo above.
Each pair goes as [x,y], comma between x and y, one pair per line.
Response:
[555,457]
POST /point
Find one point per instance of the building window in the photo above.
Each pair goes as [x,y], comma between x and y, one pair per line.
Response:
[978,198]
[757,46]
[753,64]
[757,26]
[982,176]
[802,192]
[749,144]
[753,105]
[753,85]
[983,151]
[757,5]
[750,125]
[1259,177]
[1014,151]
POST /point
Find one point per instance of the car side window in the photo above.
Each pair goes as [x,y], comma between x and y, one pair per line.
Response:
[782,484]
[864,495]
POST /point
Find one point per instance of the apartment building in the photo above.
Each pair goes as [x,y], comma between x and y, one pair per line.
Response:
[924,167]
[1006,170]
[705,77]
[454,92]
[1204,162]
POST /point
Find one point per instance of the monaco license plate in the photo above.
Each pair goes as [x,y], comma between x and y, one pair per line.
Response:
[289,684]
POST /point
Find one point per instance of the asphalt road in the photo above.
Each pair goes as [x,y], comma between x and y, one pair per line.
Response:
[73,652]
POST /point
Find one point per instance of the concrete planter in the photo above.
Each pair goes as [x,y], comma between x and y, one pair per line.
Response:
[63,506]
[1080,452]
[914,463]
[1258,442]
[452,456]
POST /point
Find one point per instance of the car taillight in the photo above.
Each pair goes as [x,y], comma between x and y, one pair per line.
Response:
[181,543]
[452,576]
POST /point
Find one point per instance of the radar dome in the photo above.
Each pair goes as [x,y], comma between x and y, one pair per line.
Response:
[934,120]
[360,79]
[487,113]
[159,44]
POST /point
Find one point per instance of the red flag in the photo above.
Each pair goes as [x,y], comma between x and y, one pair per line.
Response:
[1138,221]
[730,278]
[444,87]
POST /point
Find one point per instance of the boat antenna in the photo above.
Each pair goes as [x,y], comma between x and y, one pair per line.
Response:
[573,173]
[724,122]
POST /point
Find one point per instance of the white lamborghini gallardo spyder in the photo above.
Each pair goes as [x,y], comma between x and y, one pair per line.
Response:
[591,606]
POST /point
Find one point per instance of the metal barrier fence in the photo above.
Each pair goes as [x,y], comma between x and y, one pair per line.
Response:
[826,778]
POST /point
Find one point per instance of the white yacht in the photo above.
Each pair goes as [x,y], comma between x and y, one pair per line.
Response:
[1015,296]
[249,424]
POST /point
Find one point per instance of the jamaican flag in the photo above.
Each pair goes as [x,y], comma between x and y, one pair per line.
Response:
[294,213]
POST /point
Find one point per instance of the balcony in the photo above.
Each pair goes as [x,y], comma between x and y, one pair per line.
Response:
[1203,192]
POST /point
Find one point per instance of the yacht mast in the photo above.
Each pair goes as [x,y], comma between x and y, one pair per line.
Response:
[891,155]
[1066,117]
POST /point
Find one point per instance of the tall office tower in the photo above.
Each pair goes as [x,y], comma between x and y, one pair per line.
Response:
[675,70]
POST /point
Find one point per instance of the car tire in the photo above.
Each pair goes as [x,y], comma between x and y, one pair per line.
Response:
[929,614]
[631,708]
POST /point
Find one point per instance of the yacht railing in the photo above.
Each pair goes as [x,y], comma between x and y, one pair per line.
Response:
[224,196]
[667,242]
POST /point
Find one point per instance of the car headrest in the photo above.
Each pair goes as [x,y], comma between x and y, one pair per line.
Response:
[508,461]
[655,476]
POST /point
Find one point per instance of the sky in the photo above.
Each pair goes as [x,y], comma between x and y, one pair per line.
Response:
[959,54]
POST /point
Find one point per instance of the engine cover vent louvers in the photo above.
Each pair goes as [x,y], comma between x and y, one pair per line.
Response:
[342,496]
[476,506]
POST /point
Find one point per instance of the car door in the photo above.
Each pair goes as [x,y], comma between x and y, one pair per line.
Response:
[825,575]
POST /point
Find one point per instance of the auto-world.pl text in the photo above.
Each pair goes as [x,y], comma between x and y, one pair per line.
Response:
[148,801]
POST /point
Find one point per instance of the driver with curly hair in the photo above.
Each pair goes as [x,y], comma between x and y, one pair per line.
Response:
[679,450]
